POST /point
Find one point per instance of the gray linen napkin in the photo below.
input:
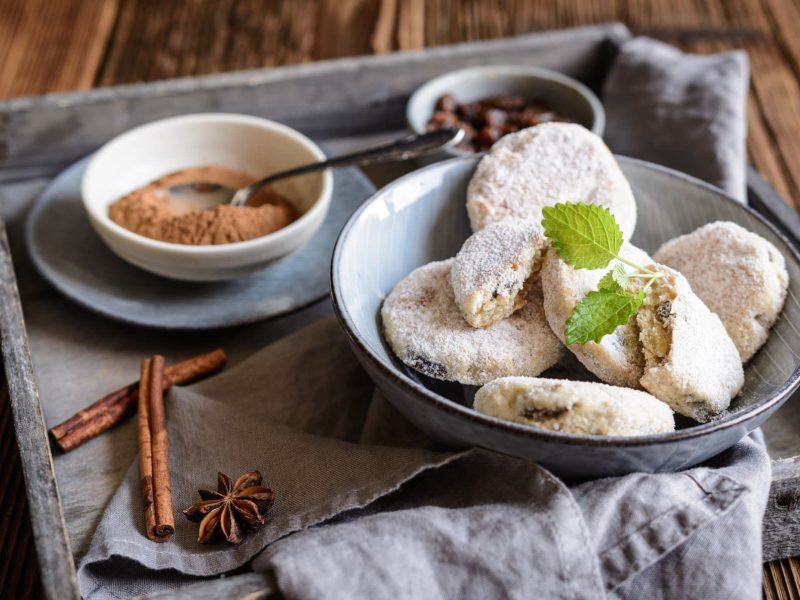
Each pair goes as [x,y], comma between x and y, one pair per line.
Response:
[418,521]
[374,509]
[685,111]
[489,526]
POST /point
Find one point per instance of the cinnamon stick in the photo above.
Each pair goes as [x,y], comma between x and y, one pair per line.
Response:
[154,452]
[146,450]
[122,403]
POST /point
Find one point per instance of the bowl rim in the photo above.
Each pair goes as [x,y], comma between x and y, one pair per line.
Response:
[532,72]
[437,401]
[100,218]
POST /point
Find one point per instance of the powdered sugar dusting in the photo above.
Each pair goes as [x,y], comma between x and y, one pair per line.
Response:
[491,269]
[574,406]
[544,165]
[739,275]
[427,331]
[691,362]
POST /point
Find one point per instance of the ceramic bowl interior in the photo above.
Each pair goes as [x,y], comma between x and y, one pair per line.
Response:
[258,146]
[422,218]
[564,94]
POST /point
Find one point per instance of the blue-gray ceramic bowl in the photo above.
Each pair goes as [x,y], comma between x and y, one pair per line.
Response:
[567,96]
[421,217]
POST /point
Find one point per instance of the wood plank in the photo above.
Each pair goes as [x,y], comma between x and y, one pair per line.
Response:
[784,20]
[776,90]
[399,26]
[153,41]
[19,571]
[788,578]
[780,582]
[762,155]
[356,18]
[162,39]
[411,25]
[52,46]
[453,21]
[382,40]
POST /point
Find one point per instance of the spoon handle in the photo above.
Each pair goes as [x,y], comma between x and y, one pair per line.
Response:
[400,149]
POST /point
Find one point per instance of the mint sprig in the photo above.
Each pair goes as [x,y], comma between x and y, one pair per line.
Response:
[587,236]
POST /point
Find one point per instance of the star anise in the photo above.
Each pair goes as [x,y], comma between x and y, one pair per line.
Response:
[223,513]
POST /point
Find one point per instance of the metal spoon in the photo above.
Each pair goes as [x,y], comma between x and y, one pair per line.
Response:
[401,149]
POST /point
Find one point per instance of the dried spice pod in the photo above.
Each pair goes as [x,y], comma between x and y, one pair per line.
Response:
[223,514]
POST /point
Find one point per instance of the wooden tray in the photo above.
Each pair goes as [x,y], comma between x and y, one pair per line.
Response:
[342,103]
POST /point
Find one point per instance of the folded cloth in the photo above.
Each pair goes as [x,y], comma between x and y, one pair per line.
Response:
[685,111]
[489,526]
[419,521]
[368,507]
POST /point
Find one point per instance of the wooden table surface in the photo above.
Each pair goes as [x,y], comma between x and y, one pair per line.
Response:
[68,45]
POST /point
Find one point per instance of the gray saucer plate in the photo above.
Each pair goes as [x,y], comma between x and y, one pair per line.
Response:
[71,256]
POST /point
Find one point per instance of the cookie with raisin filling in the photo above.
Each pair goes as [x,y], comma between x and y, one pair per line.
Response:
[426,330]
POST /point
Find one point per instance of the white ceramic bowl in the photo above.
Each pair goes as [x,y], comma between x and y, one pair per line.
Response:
[565,95]
[252,144]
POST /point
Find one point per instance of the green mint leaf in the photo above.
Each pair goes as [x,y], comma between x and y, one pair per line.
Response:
[585,236]
[608,283]
[600,313]
[616,278]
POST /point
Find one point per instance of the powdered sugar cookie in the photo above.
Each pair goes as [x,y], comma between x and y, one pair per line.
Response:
[617,359]
[426,330]
[492,267]
[739,275]
[691,363]
[574,406]
[544,165]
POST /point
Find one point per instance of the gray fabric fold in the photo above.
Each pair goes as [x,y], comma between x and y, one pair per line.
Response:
[269,413]
[485,526]
[489,526]
[366,490]
[721,556]
[685,111]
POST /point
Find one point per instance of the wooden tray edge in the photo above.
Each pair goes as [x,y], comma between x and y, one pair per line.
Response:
[47,519]
[254,77]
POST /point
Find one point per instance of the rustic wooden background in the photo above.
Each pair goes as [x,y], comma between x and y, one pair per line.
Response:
[63,45]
